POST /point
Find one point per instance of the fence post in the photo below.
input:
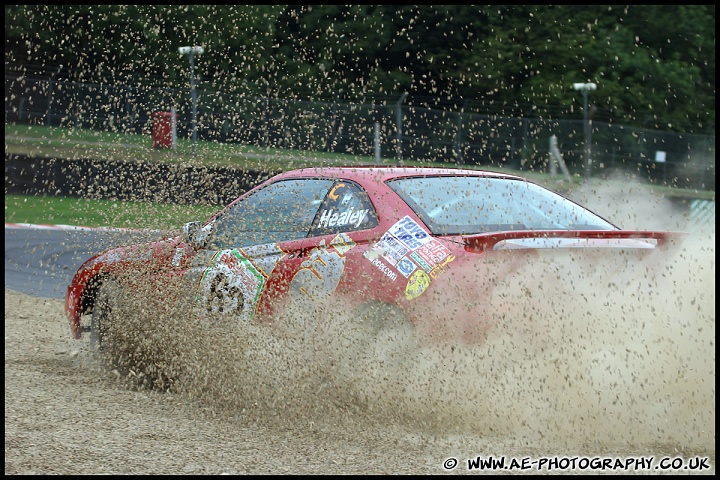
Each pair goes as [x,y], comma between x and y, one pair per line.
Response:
[50,96]
[398,122]
[377,142]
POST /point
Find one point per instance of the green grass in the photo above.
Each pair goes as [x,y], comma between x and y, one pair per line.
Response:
[102,213]
[77,143]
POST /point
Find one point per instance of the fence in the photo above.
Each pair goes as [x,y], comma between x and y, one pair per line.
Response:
[406,131]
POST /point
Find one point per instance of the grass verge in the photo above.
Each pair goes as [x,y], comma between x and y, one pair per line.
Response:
[102,213]
[78,143]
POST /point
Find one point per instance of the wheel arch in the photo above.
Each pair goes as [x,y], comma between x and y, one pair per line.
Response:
[377,310]
[86,302]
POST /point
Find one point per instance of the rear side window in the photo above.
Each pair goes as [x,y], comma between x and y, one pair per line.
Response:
[346,208]
[456,205]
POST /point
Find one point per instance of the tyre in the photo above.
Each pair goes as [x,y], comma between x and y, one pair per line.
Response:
[377,345]
[104,310]
[382,331]
[376,318]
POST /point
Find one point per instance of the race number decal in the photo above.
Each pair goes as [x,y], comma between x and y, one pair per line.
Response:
[231,285]
[264,257]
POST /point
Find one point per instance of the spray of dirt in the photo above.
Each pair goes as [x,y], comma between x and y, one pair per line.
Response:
[588,349]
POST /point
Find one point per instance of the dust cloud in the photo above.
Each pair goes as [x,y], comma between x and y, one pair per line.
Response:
[589,350]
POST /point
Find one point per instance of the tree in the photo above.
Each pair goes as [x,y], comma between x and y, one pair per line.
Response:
[654,64]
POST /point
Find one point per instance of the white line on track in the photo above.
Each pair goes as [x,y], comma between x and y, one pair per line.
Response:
[61,227]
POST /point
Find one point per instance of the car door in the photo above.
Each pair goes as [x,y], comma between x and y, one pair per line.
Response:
[253,247]
[342,225]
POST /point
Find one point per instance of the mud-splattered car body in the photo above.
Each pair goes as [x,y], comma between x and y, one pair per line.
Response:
[426,241]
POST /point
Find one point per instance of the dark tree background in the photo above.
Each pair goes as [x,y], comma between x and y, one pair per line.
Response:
[654,64]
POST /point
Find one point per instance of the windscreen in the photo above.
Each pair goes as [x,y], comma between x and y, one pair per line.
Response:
[459,205]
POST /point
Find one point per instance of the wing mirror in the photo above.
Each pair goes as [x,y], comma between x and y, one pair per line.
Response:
[195,235]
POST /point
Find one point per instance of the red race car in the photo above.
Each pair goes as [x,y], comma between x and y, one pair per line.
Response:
[425,245]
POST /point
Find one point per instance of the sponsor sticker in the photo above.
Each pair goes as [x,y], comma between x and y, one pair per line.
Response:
[410,233]
[435,273]
[177,257]
[336,218]
[393,249]
[434,253]
[264,257]
[320,274]
[387,271]
[417,284]
[342,243]
[405,246]
[332,194]
[421,261]
[405,266]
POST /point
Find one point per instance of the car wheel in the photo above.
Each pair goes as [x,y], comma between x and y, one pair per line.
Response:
[383,332]
[104,309]
[379,317]
[377,343]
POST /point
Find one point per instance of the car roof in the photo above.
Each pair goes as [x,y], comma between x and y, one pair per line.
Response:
[383,173]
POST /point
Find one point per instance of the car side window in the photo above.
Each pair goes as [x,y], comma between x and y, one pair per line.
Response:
[346,208]
[281,211]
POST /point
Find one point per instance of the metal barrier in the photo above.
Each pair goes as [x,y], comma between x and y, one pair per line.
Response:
[393,131]
[702,213]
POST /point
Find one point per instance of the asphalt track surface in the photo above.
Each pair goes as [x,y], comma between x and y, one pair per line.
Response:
[40,260]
